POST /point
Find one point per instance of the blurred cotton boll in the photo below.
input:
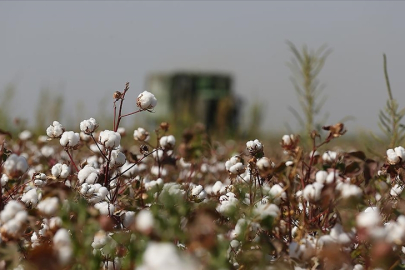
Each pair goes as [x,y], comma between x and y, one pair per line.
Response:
[88,126]
[109,139]
[146,101]
[15,166]
[400,151]
[63,246]
[25,135]
[165,256]
[144,221]
[69,139]
[49,206]
[167,142]
[141,135]
[55,130]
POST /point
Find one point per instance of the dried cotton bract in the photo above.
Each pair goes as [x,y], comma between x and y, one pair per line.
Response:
[146,101]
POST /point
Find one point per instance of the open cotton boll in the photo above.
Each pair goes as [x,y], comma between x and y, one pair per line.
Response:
[329,156]
[25,135]
[392,157]
[88,126]
[10,210]
[312,192]
[117,159]
[144,221]
[396,190]
[369,218]
[30,197]
[55,130]
[400,151]
[69,139]
[320,177]
[105,208]
[167,142]
[47,151]
[277,193]
[265,210]
[234,165]
[63,246]
[88,174]
[15,166]
[169,258]
[141,135]
[49,206]
[254,147]
[113,265]
[146,101]
[109,139]
[60,170]
[128,218]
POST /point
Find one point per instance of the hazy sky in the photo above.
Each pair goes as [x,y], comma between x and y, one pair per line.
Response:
[88,50]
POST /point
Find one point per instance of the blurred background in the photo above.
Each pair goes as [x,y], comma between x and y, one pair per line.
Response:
[64,60]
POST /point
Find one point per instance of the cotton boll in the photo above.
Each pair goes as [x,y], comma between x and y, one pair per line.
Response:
[63,246]
[392,157]
[167,142]
[47,151]
[49,206]
[312,192]
[4,180]
[55,130]
[113,265]
[100,240]
[15,166]
[128,218]
[105,208]
[217,188]
[117,159]
[254,147]
[60,171]
[396,190]
[146,101]
[277,193]
[349,190]
[369,218]
[144,221]
[109,139]
[30,197]
[400,151]
[329,156]
[264,210]
[88,174]
[234,165]
[169,258]
[69,139]
[320,177]
[141,135]
[10,210]
[25,135]
[287,139]
[88,126]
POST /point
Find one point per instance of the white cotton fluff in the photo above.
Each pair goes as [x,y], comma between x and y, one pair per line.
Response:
[400,151]
[109,139]
[144,221]
[88,174]
[15,166]
[320,177]
[117,159]
[254,147]
[218,188]
[4,179]
[234,165]
[100,240]
[329,156]
[264,164]
[60,171]
[40,179]
[69,139]
[88,126]
[167,142]
[10,210]
[392,157]
[396,190]
[63,246]
[47,151]
[55,130]
[227,203]
[312,192]
[287,139]
[264,210]
[369,218]
[348,190]
[49,206]
[25,135]
[113,265]
[146,101]
[141,135]
[30,197]
[277,193]
[128,218]
[105,208]
[169,258]
[199,192]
